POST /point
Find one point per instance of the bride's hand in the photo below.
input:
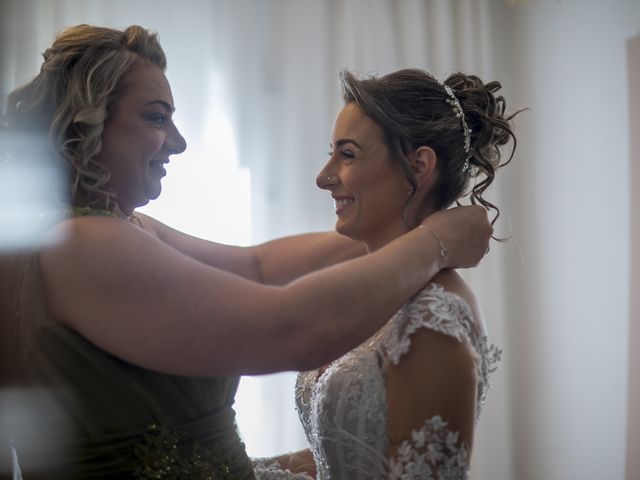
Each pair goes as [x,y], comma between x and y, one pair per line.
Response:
[464,232]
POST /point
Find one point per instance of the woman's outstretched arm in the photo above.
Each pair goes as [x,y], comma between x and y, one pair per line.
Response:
[147,303]
[276,262]
[298,465]
[279,261]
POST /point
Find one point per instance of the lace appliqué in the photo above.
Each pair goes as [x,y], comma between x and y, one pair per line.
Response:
[334,405]
[344,409]
[447,313]
[160,458]
[433,453]
[270,469]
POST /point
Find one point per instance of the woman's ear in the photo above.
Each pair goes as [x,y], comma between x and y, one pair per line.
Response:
[424,164]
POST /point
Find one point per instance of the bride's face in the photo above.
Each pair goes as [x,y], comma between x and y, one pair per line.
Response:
[368,188]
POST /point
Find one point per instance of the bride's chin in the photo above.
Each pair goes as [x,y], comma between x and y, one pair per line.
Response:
[342,229]
[348,232]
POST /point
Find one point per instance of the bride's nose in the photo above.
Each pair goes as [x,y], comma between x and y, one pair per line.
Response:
[326,181]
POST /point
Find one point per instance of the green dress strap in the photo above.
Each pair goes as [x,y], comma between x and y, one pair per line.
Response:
[90,211]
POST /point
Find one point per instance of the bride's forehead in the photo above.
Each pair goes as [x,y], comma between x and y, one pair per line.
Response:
[353,121]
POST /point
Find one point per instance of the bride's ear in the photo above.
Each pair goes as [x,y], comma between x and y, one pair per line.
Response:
[423,164]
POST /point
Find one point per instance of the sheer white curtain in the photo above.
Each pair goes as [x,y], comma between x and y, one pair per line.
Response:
[288,55]
[255,88]
[296,49]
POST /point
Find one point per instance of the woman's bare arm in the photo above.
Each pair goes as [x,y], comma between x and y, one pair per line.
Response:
[300,463]
[273,263]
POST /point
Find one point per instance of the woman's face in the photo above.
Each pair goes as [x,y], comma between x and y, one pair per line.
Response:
[139,136]
[368,189]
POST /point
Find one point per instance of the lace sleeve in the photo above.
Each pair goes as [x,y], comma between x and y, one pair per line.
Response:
[444,312]
[432,453]
[433,308]
[434,394]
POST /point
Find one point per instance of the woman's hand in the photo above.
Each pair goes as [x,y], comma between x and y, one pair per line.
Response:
[464,232]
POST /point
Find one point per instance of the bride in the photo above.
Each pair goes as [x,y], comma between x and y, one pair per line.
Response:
[404,403]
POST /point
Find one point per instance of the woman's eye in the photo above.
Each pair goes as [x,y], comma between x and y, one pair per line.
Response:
[157,118]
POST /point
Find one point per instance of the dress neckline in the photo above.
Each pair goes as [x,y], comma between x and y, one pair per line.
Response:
[90,211]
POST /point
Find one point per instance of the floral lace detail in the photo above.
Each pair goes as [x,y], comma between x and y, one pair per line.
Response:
[433,453]
[447,313]
[361,401]
[433,308]
[270,469]
[344,409]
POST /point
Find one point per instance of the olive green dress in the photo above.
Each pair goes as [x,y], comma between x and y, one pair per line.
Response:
[78,412]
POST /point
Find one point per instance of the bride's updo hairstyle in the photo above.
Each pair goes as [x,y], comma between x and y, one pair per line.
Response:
[461,119]
[67,103]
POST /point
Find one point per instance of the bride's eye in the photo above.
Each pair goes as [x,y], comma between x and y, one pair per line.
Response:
[347,155]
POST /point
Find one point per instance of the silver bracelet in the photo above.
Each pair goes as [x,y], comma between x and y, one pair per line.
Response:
[443,250]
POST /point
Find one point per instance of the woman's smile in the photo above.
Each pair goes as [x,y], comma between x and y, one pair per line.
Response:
[157,166]
[342,203]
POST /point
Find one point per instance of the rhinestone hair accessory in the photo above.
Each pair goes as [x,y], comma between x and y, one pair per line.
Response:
[457,110]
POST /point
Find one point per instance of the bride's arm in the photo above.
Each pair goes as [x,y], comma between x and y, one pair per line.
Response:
[431,394]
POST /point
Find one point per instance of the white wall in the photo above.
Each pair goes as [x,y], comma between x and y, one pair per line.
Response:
[633,408]
[568,199]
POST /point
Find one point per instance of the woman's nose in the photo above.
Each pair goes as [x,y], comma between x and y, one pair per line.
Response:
[175,142]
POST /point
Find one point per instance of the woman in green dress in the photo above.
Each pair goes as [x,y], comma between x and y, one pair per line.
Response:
[121,339]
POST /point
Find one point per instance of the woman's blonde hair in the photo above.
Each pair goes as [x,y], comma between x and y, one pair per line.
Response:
[68,101]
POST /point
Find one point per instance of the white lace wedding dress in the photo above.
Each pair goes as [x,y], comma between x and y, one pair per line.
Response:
[344,408]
